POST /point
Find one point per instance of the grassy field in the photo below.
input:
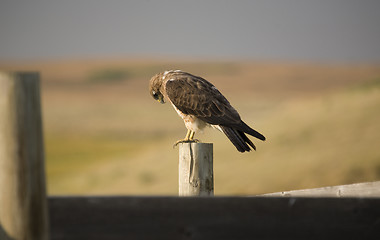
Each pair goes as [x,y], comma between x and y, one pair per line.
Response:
[105,135]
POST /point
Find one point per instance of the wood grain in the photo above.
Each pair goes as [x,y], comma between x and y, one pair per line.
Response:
[221,218]
[23,209]
[196,176]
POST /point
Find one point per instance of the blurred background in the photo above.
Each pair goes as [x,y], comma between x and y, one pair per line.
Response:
[306,74]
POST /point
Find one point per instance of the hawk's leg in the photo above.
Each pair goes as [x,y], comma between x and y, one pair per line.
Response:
[188,134]
[188,138]
[191,137]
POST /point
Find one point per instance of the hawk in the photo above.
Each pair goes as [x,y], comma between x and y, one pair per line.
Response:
[199,103]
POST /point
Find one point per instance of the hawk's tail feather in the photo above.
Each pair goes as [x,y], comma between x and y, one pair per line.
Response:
[247,129]
[238,139]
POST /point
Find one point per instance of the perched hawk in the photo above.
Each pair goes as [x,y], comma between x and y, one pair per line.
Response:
[199,103]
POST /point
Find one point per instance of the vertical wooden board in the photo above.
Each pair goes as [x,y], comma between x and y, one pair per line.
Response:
[23,205]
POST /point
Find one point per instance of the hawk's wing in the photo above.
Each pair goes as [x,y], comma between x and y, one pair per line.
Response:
[195,96]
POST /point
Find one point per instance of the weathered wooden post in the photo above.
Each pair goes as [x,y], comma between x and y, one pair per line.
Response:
[196,177]
[23,203]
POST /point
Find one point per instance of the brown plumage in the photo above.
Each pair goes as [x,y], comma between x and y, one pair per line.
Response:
[200,103]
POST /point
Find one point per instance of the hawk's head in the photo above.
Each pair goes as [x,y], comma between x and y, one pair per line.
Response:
[155,86]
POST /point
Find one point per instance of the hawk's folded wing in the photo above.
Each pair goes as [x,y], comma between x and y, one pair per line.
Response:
[195,96]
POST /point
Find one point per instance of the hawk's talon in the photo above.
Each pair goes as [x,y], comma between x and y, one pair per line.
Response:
[186,141]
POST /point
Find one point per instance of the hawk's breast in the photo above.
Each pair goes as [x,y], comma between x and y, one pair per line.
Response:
[191,122]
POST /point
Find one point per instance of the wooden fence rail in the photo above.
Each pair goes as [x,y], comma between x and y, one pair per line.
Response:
[222,218]
[367,189]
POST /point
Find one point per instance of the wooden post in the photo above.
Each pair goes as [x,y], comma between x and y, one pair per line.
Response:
[23,203]
[196,177]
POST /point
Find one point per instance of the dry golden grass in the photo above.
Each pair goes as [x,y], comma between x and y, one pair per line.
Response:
[105,135]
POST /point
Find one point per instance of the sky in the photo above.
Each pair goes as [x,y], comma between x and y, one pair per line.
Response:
[310,30]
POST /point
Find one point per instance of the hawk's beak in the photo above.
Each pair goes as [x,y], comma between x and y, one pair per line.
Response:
[161,99]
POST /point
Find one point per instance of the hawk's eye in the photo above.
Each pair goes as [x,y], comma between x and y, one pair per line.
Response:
[155,95]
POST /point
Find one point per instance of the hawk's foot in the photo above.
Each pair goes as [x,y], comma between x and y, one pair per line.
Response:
[186,141]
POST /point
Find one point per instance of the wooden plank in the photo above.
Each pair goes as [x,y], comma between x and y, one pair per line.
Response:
[368,189]
[115,218]
[23,209]
[195,169]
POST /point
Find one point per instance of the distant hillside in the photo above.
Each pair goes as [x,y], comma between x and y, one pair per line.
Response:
[105,135]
